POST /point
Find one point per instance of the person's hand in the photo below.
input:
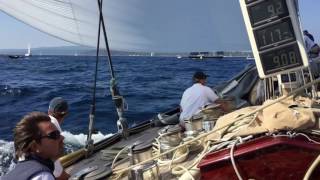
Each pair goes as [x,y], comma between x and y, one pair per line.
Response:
[63,176]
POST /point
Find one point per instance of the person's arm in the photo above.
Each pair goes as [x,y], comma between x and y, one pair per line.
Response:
[217,100]
[58,172]
[212,96]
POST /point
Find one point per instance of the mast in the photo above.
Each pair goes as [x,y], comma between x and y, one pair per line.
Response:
[29,49]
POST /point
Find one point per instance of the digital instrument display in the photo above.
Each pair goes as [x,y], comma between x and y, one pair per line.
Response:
[275,34]
[280,59]
[269,9]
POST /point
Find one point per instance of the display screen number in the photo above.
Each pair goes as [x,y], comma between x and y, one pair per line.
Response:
[281,59]
[274,35]
[267,9]
[284,59]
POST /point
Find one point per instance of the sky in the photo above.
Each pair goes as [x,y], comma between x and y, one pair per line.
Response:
[16,35]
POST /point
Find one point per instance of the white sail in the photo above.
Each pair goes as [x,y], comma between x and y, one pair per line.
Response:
[139,25]
[28,52]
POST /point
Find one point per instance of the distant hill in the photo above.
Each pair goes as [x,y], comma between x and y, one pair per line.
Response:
[90,51]
[62,50]
[78,51]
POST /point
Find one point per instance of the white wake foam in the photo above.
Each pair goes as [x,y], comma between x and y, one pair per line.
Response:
[80,139]
[6,156]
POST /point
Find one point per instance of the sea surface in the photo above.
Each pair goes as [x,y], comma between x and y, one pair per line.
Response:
[150,85]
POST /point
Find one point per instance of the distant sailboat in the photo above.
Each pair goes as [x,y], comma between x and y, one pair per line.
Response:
[28,54]
[14,56]
[249,57]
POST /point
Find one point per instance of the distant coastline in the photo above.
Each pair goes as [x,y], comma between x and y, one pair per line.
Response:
[89,51]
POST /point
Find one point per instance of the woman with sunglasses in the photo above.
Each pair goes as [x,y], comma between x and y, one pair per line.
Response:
[38,143]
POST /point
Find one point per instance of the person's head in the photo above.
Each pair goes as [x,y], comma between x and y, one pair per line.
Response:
[35,134]
[199,77]
[58,108]
[305,32]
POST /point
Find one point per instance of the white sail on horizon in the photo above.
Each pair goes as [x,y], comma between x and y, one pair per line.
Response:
[28,51]
[139,25]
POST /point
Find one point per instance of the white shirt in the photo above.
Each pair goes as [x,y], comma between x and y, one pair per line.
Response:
[194,98]
[58,169]
[43,176]
[309,43]
[55,122]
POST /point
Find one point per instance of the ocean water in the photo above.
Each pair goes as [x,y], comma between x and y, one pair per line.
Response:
[149,84]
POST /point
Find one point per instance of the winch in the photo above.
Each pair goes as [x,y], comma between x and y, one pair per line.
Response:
[149,170]
[193,125]
[169,137]
[138,153]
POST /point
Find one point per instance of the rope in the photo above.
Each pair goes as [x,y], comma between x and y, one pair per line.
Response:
[227,125]
[239,125]
[183,154]
[173,156]
[315,163]
[179,171]
[187,171]
[314,131]
[311,140]
[293,134]
[233,161]
[116,157]
[227,143]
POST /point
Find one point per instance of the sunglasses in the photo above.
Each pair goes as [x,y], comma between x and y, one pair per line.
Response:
[54,135]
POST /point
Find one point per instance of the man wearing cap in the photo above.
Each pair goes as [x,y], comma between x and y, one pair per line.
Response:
[58,109]
[196,96]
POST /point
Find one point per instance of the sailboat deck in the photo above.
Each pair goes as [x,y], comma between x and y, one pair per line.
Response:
[99,164]
[102,160]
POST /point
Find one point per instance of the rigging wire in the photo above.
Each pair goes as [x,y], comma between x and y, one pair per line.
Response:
[117,98]
[105,39]
[89,143]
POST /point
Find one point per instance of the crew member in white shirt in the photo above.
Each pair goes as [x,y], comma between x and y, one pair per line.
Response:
[311,47]
[58,110]
[313,50]
[196,97]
